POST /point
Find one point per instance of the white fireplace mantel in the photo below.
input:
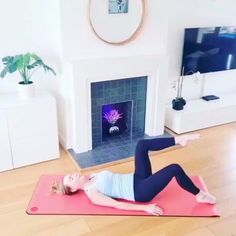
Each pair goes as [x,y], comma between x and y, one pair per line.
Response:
[86,71]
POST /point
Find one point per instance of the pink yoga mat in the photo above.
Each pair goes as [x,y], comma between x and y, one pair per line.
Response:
[173,200]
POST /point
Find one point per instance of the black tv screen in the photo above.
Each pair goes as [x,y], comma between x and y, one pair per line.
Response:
[209,49]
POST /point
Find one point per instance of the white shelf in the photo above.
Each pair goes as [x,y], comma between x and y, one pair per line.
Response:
[199,114]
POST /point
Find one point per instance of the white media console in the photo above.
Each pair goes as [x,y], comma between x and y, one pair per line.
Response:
[198,114]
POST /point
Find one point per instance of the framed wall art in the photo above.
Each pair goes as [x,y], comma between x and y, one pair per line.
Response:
[118,6]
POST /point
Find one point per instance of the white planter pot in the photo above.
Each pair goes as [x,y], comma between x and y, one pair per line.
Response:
[26,91]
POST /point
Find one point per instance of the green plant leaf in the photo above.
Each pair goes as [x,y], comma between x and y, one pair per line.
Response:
[35,64]
[35,57]
[4,71]
[48,68]
[26,59]
[7,60]
[18,62]
[13,64]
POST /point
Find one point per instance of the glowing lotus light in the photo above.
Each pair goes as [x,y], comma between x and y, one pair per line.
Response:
[112,116]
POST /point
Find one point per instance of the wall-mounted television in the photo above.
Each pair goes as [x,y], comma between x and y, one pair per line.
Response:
[209,49]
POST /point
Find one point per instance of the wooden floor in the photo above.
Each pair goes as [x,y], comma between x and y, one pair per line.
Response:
[213,157]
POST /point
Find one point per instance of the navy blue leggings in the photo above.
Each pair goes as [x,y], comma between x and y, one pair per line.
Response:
[148,185]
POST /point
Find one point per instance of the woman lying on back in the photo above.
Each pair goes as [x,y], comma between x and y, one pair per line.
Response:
[103,188]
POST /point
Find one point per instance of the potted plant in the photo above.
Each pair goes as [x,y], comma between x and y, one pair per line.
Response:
[26,65]
[179,102]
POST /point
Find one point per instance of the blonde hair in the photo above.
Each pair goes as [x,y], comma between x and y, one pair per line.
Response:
[59,188]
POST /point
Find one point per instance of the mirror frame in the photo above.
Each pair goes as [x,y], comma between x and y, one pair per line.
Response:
[131,37]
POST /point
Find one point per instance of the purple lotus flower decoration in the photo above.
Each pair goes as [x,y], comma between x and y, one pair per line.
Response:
[112,116]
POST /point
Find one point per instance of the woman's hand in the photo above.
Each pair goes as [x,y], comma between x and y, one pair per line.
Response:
[153,209]
[98,198]
[183,140]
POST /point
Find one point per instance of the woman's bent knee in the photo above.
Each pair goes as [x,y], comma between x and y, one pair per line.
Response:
[176,167]
[141,144]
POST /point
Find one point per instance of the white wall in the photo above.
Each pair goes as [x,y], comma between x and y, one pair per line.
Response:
[30,26]
[198,13]
[79,40]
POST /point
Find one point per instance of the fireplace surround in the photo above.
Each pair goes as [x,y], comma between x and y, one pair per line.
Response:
[91,70]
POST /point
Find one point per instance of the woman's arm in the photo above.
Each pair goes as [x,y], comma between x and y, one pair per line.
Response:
[98,198]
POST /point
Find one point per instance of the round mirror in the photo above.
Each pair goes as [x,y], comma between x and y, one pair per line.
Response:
[116,21]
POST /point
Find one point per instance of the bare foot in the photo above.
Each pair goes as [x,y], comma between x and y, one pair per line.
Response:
[184,139]
[204,197]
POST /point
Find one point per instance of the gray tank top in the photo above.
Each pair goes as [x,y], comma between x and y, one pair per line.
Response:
[115,185]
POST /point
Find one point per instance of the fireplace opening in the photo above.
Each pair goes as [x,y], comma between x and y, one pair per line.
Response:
[117,120]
